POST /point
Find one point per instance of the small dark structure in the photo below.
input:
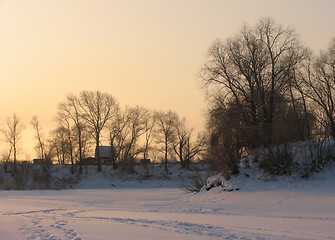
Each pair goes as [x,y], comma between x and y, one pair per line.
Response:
[38,161]
[105,153]
[145,161]
[90,161]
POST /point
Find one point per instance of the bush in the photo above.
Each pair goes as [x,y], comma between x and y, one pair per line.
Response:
[42,176]
[21,176]
[196,184]
[301,159]
[127,164]
[277,160]
[320,154]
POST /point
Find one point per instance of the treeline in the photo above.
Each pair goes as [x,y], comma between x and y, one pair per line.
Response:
[266,89]
[86,120]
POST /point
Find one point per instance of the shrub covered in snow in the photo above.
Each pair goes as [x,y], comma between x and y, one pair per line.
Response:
[302,158]
[30,176]
[297,160]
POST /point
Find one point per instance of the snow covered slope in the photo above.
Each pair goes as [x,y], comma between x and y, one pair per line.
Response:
[152,205]
[283,209]
[154,175]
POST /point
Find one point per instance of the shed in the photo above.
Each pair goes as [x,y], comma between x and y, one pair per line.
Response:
[105,152]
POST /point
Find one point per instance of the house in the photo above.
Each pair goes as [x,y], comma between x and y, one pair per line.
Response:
[105,152]
[105,157]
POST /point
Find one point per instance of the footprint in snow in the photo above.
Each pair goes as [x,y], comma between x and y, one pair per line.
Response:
[52,237]
[71,232]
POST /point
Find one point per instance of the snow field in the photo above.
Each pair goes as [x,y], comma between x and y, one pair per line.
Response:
[114,205]
[167,214]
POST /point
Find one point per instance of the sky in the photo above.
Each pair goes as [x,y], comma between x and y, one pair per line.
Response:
[143,52]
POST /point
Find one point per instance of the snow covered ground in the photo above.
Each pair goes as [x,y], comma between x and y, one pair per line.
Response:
[287,208]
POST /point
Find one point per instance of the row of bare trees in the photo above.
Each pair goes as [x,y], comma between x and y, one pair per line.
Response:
[130,133]
[266,88]
[91,119]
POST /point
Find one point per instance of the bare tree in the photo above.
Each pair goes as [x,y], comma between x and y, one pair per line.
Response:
[41,142]
[136,125]
[181,141]
[5,157]
[125,130]
[194,148]
[69,132]
[252,69]
[134,129]
[184,147]
[13,133]
[98,108]
[62,145]
[117,136]
[320,87]
[227,137]
[65,131]
[150,121]
[166,122]
[303,114]
[70,111]
[43,150]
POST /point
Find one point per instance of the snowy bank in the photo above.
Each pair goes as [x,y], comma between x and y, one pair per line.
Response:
[59,177]
[311,165]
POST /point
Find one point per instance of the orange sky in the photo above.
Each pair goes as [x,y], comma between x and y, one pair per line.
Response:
[145,53]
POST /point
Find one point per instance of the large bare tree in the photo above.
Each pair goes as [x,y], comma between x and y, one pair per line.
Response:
[253,70]
[97,109]
[320,87]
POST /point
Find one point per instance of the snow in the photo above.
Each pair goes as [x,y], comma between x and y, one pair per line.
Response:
[286,208]
[152,204]
[167,214]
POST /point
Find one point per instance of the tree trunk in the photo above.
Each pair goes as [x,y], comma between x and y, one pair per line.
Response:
[97,152]
[113,154]
[166,154]
[181,155]
[14,157]
[80,152]
[71,158]
[333,129]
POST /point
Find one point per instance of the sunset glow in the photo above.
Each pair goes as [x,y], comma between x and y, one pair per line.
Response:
[146,53]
